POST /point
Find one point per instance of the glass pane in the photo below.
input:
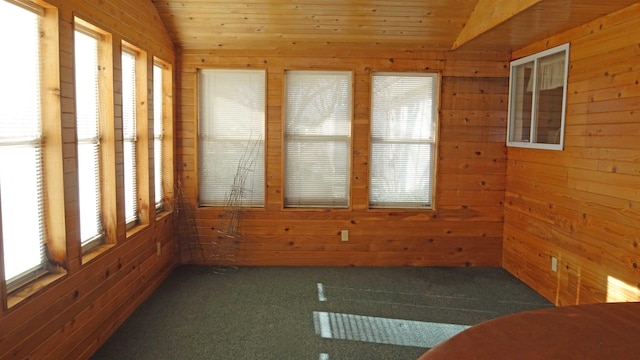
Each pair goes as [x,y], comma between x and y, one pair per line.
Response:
[21,209]
[401,174]
[157,133]
[318,103]
[129,133]
[317,173]
[232,104]
[87,101]
[157,166]
[128,95]
[521,102]
[550,94]
[130,190]
[236,163]
[89,190]
[402,107]
[19,74]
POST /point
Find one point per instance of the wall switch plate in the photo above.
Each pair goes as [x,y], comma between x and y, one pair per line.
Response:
[554,264]
[345,235]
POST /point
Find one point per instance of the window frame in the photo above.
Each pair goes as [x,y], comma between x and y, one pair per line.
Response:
[106,140]
[53,246]
[511,123]
[165,137]
[433,142]
[318,202]
[234,196]
[140,138]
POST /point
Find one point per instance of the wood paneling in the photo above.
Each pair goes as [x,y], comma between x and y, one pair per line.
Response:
[582,205]
[359,26]
[531,21]
[72,316]
[464,229]
[261,24]
[488,14]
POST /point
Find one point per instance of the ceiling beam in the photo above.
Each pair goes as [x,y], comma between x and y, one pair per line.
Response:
[487,15]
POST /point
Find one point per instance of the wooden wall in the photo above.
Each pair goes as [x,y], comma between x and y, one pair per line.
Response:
[464,229]
[582,205]
[71,317]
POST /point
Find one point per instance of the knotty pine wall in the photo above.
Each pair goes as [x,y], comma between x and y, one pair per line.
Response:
[582,205]
[464,229]
[71,317]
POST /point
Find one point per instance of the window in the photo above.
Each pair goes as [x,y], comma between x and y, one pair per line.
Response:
[162,133]
[21,182]
[134,130]
[537,99]
[95,134]
[231,135]
[32,224]
[317,138]
[403,131]
[158,113]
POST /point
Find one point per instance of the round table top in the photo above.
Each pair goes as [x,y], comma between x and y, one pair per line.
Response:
[593,331]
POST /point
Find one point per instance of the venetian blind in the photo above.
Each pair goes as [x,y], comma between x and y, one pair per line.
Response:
[403,123]
[129,134]
[317,143]
[231,134]
[157,133]
[21,182]
[88,136]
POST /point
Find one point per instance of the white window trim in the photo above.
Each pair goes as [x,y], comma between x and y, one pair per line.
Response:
[510,126]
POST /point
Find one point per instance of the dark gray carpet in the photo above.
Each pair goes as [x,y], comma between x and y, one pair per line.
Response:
[282,312]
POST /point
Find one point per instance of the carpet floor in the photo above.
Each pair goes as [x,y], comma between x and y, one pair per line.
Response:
[324,313]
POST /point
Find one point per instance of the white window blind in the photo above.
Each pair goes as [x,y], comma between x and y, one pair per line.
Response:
[21,182]
[403,124]
[158,131]
[231,134]
[88,137]
[317,144]
[129,135]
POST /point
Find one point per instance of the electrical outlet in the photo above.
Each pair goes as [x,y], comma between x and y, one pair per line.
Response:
[345,235]
[158,248]
[554,264]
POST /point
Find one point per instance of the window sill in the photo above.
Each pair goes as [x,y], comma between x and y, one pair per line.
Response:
[541,146]
[136,229]
[96,252]
[31,288]
[163,215]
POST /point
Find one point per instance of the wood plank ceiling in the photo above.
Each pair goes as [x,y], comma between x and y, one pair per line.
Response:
[439,25]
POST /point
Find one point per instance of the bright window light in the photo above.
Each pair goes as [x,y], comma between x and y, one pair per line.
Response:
[21,190]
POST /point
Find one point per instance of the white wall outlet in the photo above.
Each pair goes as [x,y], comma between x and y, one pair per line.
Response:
[158,248]
[345,235]
[554,264]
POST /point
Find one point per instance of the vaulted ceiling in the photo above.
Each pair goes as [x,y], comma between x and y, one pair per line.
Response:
[439,25]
